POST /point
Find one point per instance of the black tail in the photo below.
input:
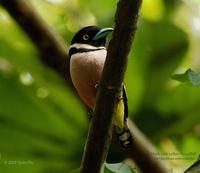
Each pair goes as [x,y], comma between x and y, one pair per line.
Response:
[124,136]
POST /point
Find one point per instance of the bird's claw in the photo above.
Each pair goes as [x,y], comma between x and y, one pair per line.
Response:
[120,98]
[96,86]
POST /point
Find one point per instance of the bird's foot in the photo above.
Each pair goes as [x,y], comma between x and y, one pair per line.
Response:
[96,86]
[120,98]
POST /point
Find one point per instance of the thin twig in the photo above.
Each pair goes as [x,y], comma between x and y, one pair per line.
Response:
[101,127]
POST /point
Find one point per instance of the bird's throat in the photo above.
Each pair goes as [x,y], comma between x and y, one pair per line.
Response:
[83,48]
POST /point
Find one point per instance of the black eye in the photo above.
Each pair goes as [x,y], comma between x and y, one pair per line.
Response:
[85,37]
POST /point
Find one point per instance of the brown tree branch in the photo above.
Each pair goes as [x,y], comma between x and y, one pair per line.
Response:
[51,47]
[101,127]
[144,153]
[53,54]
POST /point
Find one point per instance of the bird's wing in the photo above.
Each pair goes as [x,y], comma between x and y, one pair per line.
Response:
[121,112]
[125,98]
[121,127]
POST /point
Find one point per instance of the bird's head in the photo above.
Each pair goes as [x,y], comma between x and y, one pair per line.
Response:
[88,39]
[91,35]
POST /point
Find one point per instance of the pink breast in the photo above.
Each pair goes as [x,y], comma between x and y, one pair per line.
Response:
[86,70]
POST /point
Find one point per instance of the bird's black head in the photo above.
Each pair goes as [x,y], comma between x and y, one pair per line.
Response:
[91,35]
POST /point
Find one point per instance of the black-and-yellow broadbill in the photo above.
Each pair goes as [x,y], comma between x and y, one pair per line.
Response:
[87,55]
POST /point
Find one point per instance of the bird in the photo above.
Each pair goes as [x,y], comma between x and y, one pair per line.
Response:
[87,54]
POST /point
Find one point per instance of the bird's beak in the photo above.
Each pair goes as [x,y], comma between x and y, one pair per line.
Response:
[102,33]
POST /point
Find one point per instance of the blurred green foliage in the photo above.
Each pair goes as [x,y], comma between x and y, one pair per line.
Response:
[43,127]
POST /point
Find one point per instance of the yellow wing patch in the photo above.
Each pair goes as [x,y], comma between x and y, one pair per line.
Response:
[119,113]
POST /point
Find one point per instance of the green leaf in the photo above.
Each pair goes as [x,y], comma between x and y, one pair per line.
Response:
[194,168]
[155,57]
[118,168]
[152,62]
[189,76]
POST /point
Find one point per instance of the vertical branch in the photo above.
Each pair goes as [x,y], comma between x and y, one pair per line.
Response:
[100,132]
